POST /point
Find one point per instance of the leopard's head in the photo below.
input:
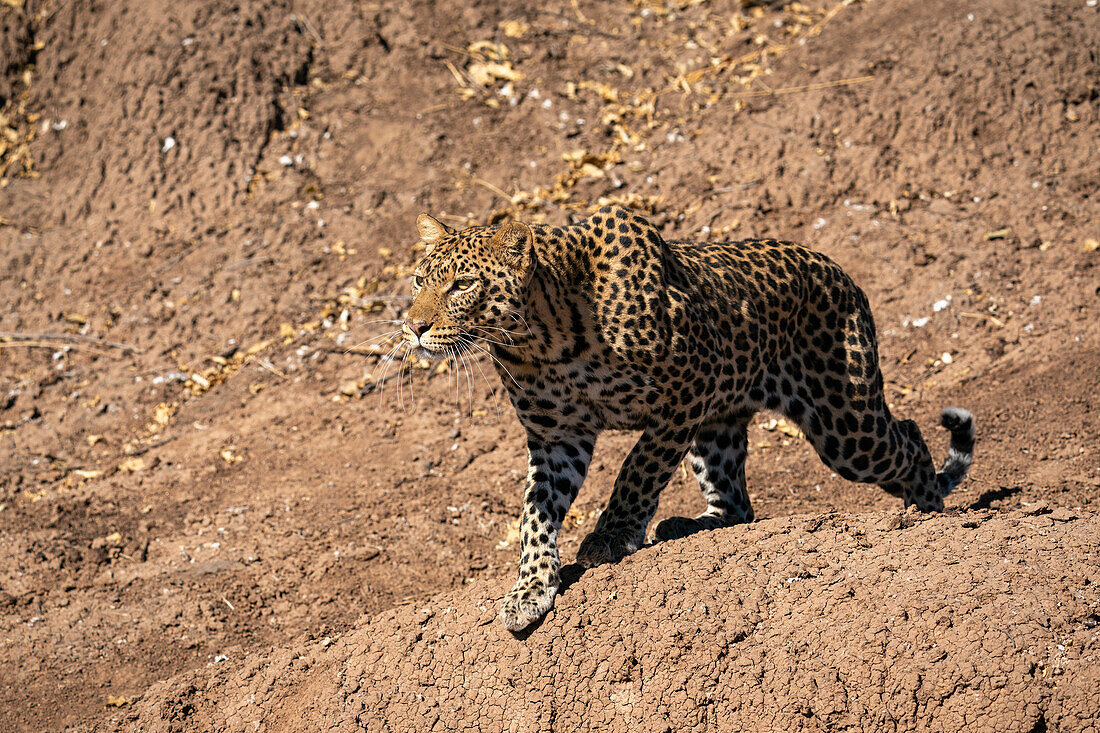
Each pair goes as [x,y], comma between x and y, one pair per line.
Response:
[470,286]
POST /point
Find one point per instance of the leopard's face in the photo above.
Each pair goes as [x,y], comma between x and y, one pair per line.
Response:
[468,290]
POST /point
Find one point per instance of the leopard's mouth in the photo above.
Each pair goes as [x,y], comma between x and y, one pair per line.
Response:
[433,352]
[427,345]
[425,352]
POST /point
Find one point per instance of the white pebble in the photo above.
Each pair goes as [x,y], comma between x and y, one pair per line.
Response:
[286,160]
[169,143]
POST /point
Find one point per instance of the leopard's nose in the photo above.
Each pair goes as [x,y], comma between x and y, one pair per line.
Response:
[419,328]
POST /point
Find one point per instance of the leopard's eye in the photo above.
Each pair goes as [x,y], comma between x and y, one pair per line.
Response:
[463,284]
[416,282]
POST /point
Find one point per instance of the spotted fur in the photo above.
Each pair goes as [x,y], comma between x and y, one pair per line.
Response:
[605,325]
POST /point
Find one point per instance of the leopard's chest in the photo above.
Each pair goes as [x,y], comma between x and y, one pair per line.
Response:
[595,387]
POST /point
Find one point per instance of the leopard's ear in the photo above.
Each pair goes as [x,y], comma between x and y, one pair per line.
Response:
[516,242]
[431,231]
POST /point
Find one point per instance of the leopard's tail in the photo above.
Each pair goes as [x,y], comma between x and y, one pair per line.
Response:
[961,452]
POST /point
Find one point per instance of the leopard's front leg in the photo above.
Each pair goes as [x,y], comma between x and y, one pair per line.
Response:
[556,469]
[649,466]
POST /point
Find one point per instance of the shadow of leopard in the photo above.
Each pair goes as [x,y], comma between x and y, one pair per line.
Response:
[605,325]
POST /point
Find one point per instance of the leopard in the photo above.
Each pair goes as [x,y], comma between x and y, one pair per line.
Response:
[604,324]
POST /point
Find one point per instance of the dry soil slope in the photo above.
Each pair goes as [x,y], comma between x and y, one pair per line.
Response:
[977,621]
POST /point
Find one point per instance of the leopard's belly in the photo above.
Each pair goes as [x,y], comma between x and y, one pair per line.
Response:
[602,393]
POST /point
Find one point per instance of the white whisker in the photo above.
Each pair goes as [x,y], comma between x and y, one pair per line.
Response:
[498,362]
[498,343]
[469,388]
[492,389]
[516,314]
[450,356]
[380,336]
[400,378]
[504,333]
[388,358]
[498,328]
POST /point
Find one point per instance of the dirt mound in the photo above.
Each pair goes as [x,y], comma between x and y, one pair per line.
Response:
[882,622]
[202,209]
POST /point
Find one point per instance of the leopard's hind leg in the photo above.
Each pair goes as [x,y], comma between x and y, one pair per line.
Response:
[831,385]
[718,458]
[857,437]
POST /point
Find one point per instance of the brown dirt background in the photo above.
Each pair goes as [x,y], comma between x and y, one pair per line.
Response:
[232,528]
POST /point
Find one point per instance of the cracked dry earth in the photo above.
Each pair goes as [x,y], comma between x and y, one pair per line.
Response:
[225,524]
[827,622]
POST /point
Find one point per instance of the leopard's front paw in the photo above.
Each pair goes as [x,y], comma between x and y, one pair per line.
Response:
[525,604]
[604,547]
[674,528]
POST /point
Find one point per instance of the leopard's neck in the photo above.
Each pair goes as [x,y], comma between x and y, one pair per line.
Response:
[581,271]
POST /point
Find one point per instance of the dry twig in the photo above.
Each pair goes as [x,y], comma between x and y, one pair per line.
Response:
[73,337]
[806,87]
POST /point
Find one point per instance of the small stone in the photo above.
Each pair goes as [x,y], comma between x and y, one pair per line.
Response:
[1039,507]
[1062,514]
[889,523]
